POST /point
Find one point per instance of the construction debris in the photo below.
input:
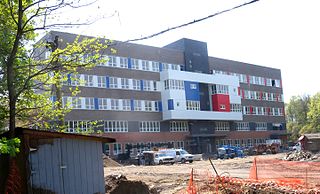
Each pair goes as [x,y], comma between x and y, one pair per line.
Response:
[108,162]
[300,156]
[119,184]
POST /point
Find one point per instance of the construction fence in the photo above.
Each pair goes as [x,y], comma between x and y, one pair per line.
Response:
[266,176]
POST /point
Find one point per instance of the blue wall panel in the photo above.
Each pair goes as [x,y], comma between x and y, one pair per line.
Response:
[129,63]
[192,90]
[132,105]
[107,82]
[160,67]
[160,106]
[96,104]
[141,85]
[170,104]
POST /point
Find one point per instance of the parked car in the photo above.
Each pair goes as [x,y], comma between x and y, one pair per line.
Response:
[162,158]
[180,155]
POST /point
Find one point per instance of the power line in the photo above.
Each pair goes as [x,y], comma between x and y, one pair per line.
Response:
[189,23]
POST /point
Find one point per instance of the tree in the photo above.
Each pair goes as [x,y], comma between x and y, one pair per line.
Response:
[296,114]
[26,77]
[313,125]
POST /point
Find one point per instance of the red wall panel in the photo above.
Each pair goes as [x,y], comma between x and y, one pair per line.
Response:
[218,100]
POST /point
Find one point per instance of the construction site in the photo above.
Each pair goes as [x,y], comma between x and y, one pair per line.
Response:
[291,172]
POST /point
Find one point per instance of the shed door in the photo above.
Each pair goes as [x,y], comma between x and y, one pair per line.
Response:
[67,166]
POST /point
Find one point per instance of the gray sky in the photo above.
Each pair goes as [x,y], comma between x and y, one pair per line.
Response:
[283,34]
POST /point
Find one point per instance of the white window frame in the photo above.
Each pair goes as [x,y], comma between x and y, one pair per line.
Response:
[113,82]
[126,105]
[222,126]
[114,104]
[102,83]
[124,83]
[136,84]
[89,103]
[103,103]
[123,62]
[137,105]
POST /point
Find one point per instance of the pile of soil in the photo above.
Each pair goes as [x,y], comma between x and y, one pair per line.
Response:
[108,162]
[119,184]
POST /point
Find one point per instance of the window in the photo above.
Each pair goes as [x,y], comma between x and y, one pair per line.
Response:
[179,126]
[88,80]
[254,110]
[264,96]
[147,105]
[76,103]
[155,66]
[117,149]
[269,82]
[74,126]
[260,111]
[147,85]
[75,79]
[125,83]
[114,104]
[149,126]
[220,89]
[235,108]
[242,126]
[247,94]
[262,126]
[222,106]
[251,79]
[193,105]
[101,81]
[135,64]
[145,65]
[180,145]
[116,126]
[137,105]
[136,84]
[222,126]
[174,84]
[280,111]
[112,61]
[113,82]
[276,112]
[123,62]
[243,78]
[102,103]
[165,66]
[277,83]
[155,86]
[126,105]
[89,103]
[175,67]
[193,86]
[246,110]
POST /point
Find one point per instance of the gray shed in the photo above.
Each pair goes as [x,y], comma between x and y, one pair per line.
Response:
[54,162]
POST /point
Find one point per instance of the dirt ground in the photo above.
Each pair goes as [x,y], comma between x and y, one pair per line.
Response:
[168,179]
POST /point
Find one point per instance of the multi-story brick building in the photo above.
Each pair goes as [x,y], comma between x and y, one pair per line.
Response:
[177,96]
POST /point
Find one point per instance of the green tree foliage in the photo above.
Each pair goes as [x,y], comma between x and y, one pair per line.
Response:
[26,76]
[303,115]
[9,146]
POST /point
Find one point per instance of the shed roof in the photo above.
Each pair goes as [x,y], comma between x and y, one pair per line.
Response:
[312,135]
[54,134]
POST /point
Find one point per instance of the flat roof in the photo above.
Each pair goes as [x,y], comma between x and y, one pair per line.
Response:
[54,134]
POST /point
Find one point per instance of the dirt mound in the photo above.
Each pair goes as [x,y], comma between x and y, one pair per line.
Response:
[108,162]
[118,184]
[300,156]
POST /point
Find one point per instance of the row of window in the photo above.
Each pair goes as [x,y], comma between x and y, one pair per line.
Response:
[154,126]
[112,126]
[244,126]
[135,148]
[179,126]
[173,84]
[193,105]
[252,79]
[137,64]
[220,89]
[113,82]
[267,111]
[111,104]
[235,108]
[259,95]
[240,142]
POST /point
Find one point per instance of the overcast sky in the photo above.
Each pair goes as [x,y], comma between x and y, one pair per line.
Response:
[283,34]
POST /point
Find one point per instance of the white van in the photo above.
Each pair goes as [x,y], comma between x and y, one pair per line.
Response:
[180,155]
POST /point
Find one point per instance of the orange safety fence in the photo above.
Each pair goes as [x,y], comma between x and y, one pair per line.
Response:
[266,176]
[287,172]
